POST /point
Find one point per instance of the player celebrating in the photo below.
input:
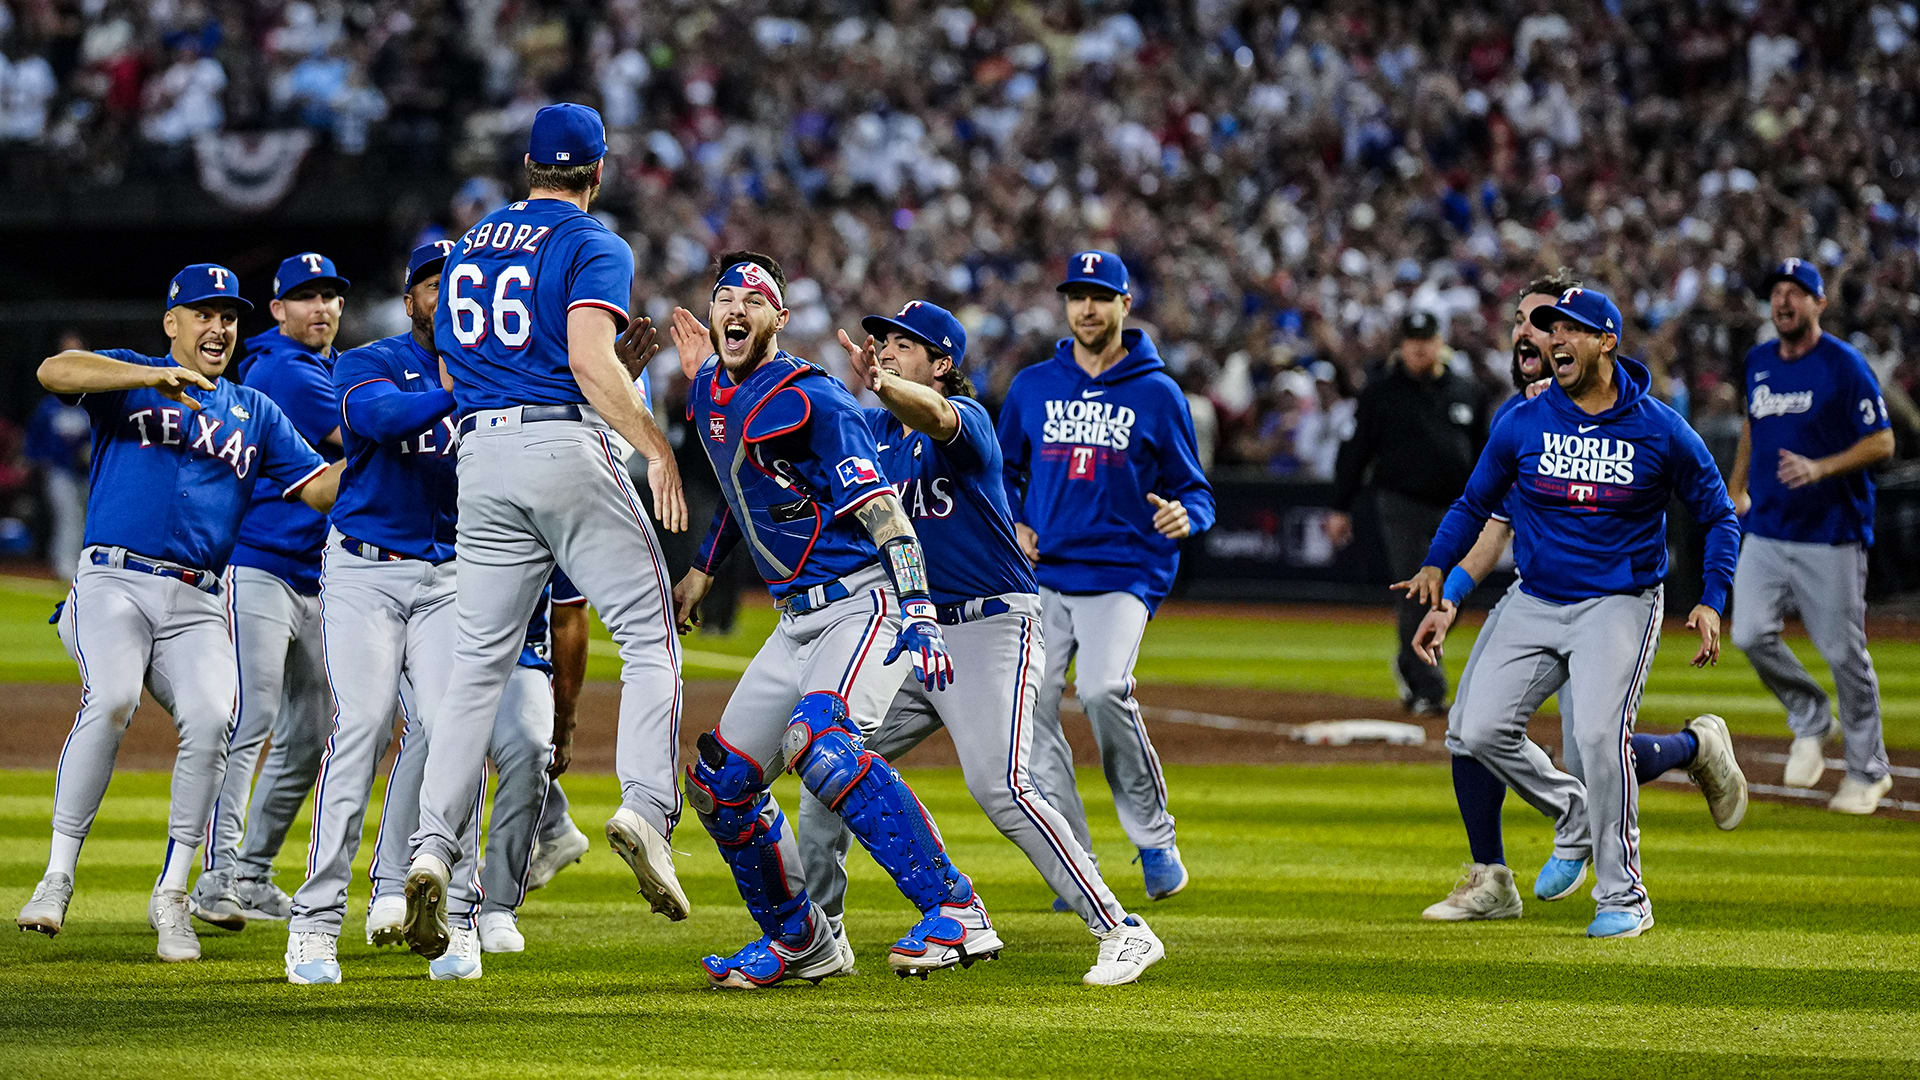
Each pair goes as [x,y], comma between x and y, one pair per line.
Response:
[796,464]
[276,612]
[1104,480]
[1815,422]
[176,453]
[1592,463]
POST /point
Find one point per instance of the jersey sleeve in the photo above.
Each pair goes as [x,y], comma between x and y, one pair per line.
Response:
[286,458]
[1697,482]
[102,402]
[840,440]
[974,447]
[1181,478]
[721,538]
[601,274]
[1014,455]
[1866,405]
[1487,488]
[563,592]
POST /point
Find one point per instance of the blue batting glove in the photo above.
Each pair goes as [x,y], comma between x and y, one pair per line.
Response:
[920,639]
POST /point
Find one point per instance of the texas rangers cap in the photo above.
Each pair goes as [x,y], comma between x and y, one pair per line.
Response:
[206,281]
[1588,307]
[427,259]
[1800,272]
[929,324]
[1419,324]
[567,134]
[305,269]
[1102,268]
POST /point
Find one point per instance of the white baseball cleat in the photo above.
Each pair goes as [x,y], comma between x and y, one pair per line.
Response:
[46,912]
[1717,772]
[167,914]
[646,851]
[846,952]
[462,958]
[387,920]
[425,924]
[1859,796]
[1806,760]
[1125,952]
[500,932]
[551,858]
[313,959]
[1485,891]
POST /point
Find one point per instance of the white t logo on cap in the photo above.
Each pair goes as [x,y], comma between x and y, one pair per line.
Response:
[219,277]
[1088,261]
[1793,266]
[312,261]
[1567,297]
[911,304]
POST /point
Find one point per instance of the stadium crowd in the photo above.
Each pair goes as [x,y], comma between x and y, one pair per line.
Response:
[1286,180]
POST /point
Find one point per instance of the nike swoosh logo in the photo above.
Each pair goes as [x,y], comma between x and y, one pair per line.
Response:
[1758,375]
[1584,428]
[886,446]
[413,374]
[1091,393]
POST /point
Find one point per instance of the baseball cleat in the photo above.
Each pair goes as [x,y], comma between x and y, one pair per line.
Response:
[312,959]
[1165,874]
[500,933]
[646,851]
[214,902]
[768,961]
[387,920]
[551,857]
[1806,760]
[1859,796]
[167,914]
[951,934]
[425,924]
[461,960]
[1125,952]
[1716,771]
[846,952]
[261,899]
[1485,891]
[46,912]
[1619,924]
[1559,878]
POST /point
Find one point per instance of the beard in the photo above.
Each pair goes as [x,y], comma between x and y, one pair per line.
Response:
[758,346]
[1100,342]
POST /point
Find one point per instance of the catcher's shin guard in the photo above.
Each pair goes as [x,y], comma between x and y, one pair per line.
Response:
[874,801]
[730,797]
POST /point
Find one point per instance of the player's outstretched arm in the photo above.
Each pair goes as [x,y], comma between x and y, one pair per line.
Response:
[921,408]
[76,371]
[900,553]
[1429,588]
[320,491]
[596,367]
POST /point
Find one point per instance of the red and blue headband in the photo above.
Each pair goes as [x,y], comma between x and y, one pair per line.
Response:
[750,275]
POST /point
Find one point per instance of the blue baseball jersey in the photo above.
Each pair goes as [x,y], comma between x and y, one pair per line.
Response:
[399,491]
[169,482]
[1816,406]
[1505,512]
[277,536]
[59,436]
[795,458]
[957,498]
[1082,453]
[1590,493]
[505,296]
[537,653]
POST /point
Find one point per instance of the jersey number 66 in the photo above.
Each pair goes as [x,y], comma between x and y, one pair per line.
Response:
[512,322]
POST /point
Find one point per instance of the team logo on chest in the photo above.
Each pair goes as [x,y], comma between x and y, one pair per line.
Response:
[717,427]
[1586,458]
[1768,403]
[1089,423]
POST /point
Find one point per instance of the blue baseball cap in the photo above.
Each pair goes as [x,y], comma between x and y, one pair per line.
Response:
[1589,307]
[1799,271]
[567,134]
[1102,268]
[929,324]
[427,259]
[206,281]
[305,269]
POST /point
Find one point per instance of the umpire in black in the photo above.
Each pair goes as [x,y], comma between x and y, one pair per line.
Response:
[1419,429]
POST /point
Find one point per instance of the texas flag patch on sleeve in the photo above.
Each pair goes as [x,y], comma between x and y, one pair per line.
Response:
[855,471]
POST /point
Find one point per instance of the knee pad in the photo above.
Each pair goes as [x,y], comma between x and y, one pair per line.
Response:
[730,798]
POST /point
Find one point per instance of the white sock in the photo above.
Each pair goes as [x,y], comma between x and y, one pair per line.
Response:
[65,854]
[179,867]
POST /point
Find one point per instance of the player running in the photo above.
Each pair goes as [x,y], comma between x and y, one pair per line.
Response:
[1104,481]
[1591,463]
[177,451]
[802,491]
[1815,423]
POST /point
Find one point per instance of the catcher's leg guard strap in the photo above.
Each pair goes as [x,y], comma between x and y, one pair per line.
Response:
[874,801]
[728,794]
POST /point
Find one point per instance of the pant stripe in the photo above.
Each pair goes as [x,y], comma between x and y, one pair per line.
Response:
[1140,730]
[1629,790]
[86,690]
[867,638]
[326,756]
[386,798]
[227,581]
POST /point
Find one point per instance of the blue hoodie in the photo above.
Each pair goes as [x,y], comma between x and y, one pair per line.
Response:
[1081,455]
[285,538]
[1590,493]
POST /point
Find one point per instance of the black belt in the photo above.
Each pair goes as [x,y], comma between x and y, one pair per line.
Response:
[811,599]
[529,414]
[955,614]
[379,554]
[204,580]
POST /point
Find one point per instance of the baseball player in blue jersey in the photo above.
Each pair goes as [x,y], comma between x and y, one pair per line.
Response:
[1591,464]
[533,300]
[804,494]
[1815,423]
[1104,481]
[177,451]
[276,612]
[938,449]
[1703,748]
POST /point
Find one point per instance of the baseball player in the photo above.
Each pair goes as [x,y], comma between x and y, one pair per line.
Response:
[276,612]
[937,446]
[1591,463]
[802,491]
[534,297]
[1703,748]
[1815,423]
[1104,481]
[177,451]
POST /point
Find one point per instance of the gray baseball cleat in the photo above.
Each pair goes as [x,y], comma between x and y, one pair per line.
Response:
[214,902]
[1717,772]
[167,914]
[549,858]
[1485,891]
[46,913]
[646,851]
[260,898]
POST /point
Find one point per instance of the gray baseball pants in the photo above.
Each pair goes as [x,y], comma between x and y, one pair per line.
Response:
[989,712]
[1104,631]
[1606,646]
[1827,584]
[124,627]
[283,694]
[531,496]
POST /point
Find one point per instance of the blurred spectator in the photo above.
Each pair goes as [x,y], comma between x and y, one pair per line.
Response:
[59,446]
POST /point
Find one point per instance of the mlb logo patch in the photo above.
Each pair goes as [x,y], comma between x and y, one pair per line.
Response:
[857,470]
[717,427]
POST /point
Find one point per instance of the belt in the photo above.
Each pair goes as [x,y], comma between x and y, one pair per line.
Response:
[529,414]
[817,597]
[379,554]
[204,580]
[969,610]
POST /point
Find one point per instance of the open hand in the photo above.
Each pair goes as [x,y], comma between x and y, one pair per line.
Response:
[637,347]
[1707,621]
[1432,634]
[1426,586]
[173,382]
[691,339]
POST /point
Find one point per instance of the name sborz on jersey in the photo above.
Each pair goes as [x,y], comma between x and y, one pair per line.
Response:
[1585,457]
[1768,403]
[1088,423]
